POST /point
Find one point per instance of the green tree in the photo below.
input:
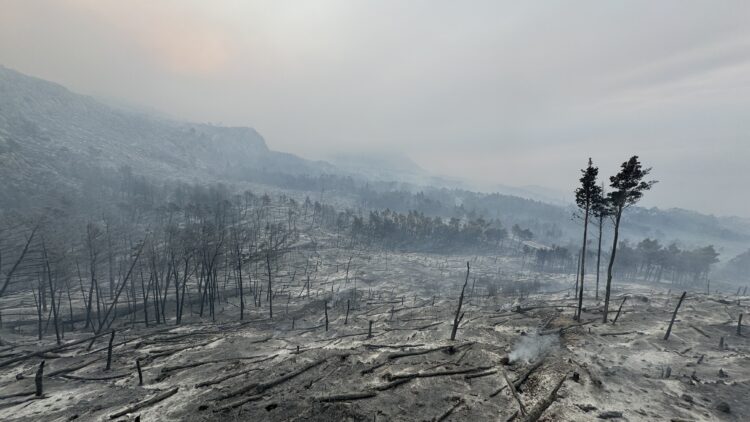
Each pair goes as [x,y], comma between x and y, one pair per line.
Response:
[600,210]
[628,187]
[586,194]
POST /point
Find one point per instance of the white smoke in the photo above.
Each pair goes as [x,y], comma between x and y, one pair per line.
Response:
[529,348]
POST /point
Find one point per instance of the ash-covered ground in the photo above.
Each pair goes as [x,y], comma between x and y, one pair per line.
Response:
[516,328]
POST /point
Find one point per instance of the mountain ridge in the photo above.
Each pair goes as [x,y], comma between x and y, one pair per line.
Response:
[49,135]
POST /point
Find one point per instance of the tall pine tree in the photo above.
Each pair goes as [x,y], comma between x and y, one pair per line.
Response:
[599,209]
[586,195]
[628,187]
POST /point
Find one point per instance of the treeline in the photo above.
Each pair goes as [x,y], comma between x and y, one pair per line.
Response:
[738,268]
[651,261]
[416,231]
[556,259]
[647,260]
[544,219]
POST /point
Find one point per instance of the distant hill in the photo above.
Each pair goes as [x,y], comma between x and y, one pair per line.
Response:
[47,133]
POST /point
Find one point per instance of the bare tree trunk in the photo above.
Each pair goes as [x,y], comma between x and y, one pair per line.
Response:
[39,379]
[674,315]
[9,274]
[51,293]
[37,302]
[239,276]
[608,289]
[739,325]
[270,292]
[119,290]
[457,319]
[619,310]
[144,293]
[110,259]
[140,373]
[599,256]
[583,260]
[109,351]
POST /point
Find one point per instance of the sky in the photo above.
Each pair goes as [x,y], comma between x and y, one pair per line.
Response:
[515,93]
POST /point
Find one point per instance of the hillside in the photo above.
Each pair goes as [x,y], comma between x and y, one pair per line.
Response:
[49,134]
[54,142]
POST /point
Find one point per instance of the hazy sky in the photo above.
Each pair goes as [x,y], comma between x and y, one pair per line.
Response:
[518,93]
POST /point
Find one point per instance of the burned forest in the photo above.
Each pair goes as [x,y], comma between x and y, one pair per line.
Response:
[470,223]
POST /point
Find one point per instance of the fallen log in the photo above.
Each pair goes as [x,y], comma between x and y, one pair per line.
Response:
[514,393]
[106,378]
[621,333]
[423,327]
[181,336]
[536,412]
[154,354]
[15,403]
[699,330]
[520,380]
[436,374]
[391,346]
[10,396]
[260,387]
[48,350]
[567,327]
[399,355]
[373,368]
[346,397]
[168,369]
[481,374]
[72,368]
[392,384]
[268,385]
[153,400]
[447,413]
[224,378]
[525,376]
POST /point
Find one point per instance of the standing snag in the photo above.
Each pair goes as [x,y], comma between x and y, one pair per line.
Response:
[109,351]
[619,310]
[140,373]
[674,315]
[38,379]
[459,316]
[739,325]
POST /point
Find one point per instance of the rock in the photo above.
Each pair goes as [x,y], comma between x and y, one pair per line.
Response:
[688,398]
[722,374]
[723,407]
[610,414]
